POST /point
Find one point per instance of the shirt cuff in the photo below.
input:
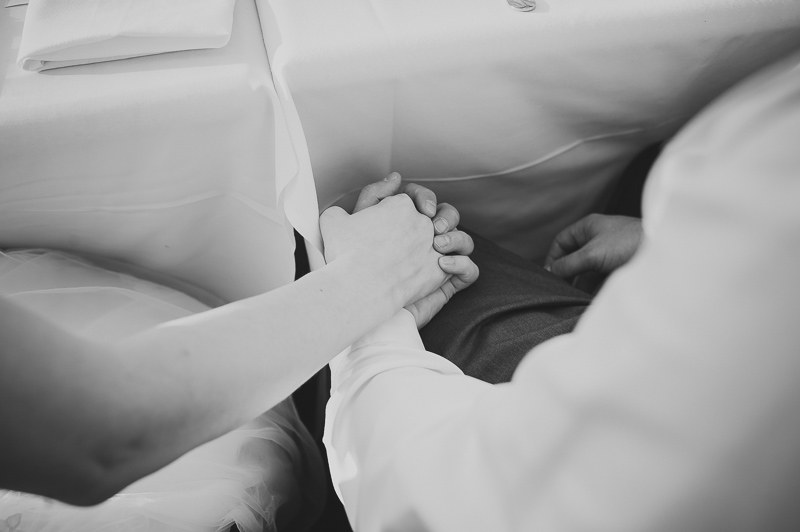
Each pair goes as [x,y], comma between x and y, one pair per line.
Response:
[395,343]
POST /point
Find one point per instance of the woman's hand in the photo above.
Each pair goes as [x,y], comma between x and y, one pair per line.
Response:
[387,248]
[457,245]
[596,243]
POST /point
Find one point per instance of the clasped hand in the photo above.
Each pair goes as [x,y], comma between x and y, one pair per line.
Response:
[398,234]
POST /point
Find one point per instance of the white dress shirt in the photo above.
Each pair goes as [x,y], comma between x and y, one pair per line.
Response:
[673,406]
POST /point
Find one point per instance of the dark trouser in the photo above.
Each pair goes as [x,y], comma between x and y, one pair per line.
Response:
[513,306]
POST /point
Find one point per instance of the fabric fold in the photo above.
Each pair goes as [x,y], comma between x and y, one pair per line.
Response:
[265,471]
[59,34]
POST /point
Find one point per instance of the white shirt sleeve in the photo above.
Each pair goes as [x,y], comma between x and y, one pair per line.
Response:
[675,404]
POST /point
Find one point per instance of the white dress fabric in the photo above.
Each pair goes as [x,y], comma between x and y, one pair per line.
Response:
[673,406]
[77,32]
[245,477]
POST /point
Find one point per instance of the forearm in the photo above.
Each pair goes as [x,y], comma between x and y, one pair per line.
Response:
[104,415]
[232,363]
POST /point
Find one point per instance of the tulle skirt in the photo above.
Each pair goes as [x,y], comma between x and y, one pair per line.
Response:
[265,471]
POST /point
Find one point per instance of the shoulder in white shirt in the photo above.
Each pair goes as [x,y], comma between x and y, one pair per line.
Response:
[675,404]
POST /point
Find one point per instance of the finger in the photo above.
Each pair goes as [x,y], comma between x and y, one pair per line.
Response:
[424,199]
[419,319]
[448,289]
[464,272]
[373,193]
[331,214]
[553,254]
[427,307]
[573,264]
[457,242]
[570,239]
[446,219]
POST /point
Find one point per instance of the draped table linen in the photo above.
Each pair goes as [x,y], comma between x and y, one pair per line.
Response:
[174,162]
[175,165]
[521,120]
[77,32]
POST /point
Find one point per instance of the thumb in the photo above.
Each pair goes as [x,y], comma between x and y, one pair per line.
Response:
[373,193]
[570,240]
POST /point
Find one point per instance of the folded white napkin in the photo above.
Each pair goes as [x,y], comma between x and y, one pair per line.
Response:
[61,33]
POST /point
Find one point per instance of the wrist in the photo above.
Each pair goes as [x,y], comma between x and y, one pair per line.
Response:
[371,284]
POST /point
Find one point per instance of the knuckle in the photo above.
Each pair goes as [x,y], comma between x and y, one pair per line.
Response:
[461,242]
[452,212]
[400,203]
[588,225]
[469,244]
[593,257]
[327,213]
[411,190]
[471,272]
[420,223]
[370,190]
[403,199]
[423,222]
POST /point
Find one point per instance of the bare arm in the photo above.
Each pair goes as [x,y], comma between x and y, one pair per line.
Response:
[89,419]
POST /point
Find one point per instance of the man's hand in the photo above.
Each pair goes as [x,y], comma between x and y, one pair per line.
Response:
[596,243]
[445,217]
[461,271]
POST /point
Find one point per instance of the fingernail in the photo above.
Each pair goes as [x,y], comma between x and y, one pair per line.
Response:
[441,225]
[430,207]
[442,241]
[446,261]
[394,176]
[547,267]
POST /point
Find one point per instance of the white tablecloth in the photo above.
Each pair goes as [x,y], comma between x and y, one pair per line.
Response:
[521,120]
[173,162]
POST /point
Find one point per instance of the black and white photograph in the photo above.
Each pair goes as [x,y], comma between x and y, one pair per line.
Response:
[399,266]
